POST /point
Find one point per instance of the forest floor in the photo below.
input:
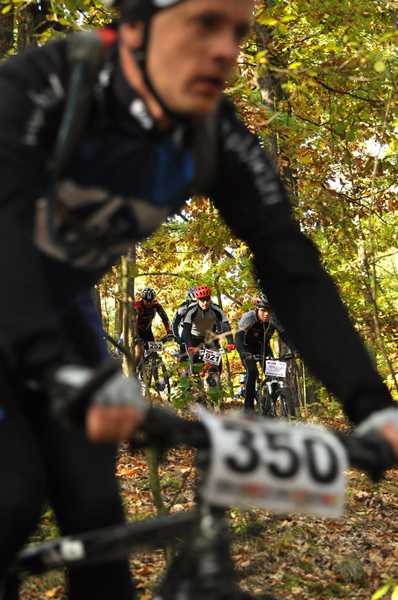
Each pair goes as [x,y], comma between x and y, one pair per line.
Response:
[290,556]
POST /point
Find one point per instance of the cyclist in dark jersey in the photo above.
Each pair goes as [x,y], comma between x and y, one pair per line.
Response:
[177,325]
[253,337]
[145,311]
[157,132]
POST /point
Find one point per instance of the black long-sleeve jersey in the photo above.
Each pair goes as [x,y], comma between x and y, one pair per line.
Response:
[254,334]
[125,177]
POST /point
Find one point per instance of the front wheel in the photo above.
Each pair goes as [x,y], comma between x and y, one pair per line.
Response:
[282,404]
[162,381]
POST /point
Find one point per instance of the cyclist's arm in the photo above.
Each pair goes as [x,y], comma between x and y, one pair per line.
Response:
[176,323]
[252,200]
[239,337]
[30,103]
[187,326]
[223,319]
[165,319]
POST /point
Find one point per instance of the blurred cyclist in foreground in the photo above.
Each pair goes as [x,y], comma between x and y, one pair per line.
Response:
[151,129]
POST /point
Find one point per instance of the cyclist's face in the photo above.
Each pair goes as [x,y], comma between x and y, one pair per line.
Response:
[148,303]
[192,50]
[264,314]
[204,303]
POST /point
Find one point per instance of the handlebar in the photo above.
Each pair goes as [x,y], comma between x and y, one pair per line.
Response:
[261,358]
[163,429]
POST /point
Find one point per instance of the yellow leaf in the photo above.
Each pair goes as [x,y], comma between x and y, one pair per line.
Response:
[394,595]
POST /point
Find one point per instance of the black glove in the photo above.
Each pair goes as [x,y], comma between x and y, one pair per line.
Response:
[179,340]
[73,388]
[245,355]
[170,337]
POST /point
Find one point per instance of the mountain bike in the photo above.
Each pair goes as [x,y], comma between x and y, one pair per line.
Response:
[273,398]
[271,463]
[151,370]
[208,370]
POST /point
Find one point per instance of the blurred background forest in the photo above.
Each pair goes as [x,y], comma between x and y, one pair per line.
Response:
[317,82]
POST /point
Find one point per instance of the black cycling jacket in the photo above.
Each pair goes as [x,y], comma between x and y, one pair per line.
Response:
[124,179]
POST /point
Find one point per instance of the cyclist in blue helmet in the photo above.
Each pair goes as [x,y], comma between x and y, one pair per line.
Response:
[177,325]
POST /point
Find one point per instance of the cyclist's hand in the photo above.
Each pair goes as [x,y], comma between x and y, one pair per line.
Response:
[245,355]
[112,423]
[111,403]
[230,347]
[386,422]
[193,350]
[170,337]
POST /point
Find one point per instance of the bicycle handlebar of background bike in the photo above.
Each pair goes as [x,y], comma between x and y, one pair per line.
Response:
[260,357]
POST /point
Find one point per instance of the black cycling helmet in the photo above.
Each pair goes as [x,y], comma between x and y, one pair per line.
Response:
[148,294]
[142,10]
[261,301]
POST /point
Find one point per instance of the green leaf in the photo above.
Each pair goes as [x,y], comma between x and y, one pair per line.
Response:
[379,66]
[6,9]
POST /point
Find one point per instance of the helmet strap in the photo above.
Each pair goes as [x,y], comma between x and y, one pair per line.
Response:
[140,55]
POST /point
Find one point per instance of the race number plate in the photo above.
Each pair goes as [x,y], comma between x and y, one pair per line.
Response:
[274,465]
[275,368]
[155,346]
[212,356]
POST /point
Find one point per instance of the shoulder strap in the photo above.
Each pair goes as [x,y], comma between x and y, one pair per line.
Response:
[205,153]
[85,57]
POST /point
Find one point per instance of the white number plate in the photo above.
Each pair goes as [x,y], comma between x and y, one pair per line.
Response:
[275,368]
[212,356]
[155,346]
[274,465]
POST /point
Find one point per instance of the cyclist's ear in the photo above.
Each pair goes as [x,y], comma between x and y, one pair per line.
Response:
[131,34]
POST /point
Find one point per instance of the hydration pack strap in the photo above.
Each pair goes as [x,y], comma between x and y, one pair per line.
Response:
[85,57]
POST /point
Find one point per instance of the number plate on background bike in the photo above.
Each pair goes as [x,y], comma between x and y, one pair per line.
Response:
[274,465]
[275,368]
[155,346]
[212,356]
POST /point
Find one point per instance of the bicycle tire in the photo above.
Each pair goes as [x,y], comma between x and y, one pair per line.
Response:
[282,404]
[264,400]
[161,374]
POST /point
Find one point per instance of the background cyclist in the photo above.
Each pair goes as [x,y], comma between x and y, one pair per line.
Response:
[177,325]
[253,337]
[200,321]
[145,311]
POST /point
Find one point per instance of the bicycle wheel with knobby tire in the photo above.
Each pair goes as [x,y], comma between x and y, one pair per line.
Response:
[264,401]
[282,404]
[214,381]
[161,381]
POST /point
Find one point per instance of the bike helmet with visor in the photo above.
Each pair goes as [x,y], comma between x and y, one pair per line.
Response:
[148,293]
[261,301]
[202,291]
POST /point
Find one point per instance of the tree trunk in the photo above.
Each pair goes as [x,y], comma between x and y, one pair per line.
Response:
[6,32]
